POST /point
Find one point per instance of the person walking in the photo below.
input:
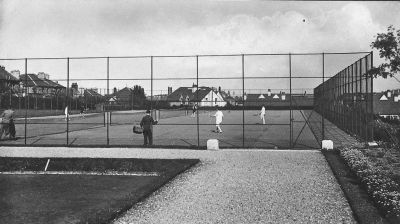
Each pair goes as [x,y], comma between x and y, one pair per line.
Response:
[218,119]
[147,125]
[262,114]
[7,126]
[194,110]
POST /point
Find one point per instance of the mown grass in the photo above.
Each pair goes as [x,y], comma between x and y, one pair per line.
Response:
[34,198]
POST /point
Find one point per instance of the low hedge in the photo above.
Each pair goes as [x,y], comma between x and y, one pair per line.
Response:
[384,191]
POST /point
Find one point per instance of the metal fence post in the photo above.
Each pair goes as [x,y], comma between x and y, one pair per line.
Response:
[26,96]
[67,101]
[372,100]
[151,83]
[243,100]
[290,110]
[197,101]
[108,113]
[323,97]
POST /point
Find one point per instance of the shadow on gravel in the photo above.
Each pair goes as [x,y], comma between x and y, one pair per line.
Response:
[362,206]
[61,198]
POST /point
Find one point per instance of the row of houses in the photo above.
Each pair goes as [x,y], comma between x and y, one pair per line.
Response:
[38,84]
[387,104]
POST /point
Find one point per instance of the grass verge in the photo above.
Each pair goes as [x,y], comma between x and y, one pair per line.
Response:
[31,198]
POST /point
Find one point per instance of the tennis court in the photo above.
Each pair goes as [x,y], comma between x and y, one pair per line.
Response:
[176,128]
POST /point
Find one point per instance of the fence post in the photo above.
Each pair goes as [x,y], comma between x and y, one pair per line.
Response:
[108,93]
[372,100]
[67,101]
[290,111]
[197,101]
[323,96]
[243,100]
[26,95]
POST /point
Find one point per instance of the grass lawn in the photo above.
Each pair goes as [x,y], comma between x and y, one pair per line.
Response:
[72,198]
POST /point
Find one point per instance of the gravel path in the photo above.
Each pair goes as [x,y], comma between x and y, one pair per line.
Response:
[231,186]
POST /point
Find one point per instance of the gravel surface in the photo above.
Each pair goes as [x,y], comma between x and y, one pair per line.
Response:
[231,186]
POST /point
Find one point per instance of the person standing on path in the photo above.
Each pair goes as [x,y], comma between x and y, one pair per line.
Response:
[262,114]
[218,119]
[147,125]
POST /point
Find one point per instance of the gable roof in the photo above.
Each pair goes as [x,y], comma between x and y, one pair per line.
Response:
[91,93]
[6,76]
[180,92]
[32,80]
[386,107]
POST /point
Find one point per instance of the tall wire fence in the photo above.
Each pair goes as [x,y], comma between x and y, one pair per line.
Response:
[106,96]
[346,99]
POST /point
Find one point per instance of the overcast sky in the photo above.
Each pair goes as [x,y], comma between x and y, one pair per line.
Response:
[47,28]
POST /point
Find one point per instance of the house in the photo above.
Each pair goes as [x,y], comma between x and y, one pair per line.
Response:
[387,104]
[40,84]
[121,97]
[7,81]
[204,96]
[279,100]
[227,97]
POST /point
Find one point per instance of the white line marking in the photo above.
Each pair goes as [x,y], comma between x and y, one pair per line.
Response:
[47,164]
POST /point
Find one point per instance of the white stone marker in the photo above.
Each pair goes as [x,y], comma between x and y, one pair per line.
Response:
[327,144]
[212,144]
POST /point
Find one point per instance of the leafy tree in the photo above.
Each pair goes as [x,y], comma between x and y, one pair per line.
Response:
[138,92]
[388,45]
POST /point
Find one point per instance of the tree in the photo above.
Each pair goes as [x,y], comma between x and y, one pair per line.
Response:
[388,45]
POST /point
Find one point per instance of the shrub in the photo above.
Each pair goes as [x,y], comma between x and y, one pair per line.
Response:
[384,191]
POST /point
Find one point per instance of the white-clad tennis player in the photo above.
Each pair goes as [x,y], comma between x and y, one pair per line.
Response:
[218,120]
[262,114]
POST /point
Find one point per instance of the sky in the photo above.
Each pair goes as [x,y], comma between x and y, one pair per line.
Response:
[46,28]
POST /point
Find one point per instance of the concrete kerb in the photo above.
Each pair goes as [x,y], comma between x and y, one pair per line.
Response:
[145,153]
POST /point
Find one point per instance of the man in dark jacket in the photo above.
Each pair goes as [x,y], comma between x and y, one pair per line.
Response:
[147,125]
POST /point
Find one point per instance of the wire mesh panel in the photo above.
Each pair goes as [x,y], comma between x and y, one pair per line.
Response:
[264,100]
[346,99]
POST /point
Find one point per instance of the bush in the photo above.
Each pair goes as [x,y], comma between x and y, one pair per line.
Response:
[384,191]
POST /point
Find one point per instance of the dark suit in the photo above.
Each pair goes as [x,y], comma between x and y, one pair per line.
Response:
[147,125]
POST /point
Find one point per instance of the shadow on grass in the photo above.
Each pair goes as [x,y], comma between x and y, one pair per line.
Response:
[60,198]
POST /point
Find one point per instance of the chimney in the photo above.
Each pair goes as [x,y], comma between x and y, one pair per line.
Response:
[169,90]
[115,90]
[269,92]
[74,86]
[42,75]
[219,89]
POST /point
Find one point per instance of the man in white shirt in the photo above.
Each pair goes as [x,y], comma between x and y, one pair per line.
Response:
[218,120]
[262,114]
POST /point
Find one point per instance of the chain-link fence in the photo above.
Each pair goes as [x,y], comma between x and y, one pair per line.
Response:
[95,101]
[346,99]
